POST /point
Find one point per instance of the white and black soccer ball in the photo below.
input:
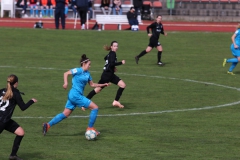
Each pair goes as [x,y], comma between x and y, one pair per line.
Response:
[91,135]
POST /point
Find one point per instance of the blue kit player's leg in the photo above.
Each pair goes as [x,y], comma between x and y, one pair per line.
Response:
[92,117]
[86,103]
[234,61]
[59,117]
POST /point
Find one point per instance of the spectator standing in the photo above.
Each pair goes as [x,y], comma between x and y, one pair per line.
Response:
[117,7]
[105,6]
[82,8]
[60,13]
[137,6]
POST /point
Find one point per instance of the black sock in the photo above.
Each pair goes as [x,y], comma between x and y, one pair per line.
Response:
[16,145]
[119,93]
[159,56]
[142,54]
[91,94]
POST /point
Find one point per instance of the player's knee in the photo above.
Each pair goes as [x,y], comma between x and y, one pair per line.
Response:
[19,131]
[238,59]
[98,89]
[123,85]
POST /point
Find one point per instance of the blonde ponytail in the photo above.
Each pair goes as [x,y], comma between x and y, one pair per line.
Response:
[12,79]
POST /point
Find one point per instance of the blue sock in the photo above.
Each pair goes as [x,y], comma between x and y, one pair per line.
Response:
[58,118]
[31,11]
[43,12]
[47,10]
[232,60]
[92,117]
[51,12]
[36,10]
[232,67]
[66,10]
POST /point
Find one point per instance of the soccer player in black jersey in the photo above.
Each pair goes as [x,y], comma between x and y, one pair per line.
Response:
[9,98]
[157,29]
[108,74]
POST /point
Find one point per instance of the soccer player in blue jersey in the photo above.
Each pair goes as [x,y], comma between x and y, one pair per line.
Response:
[157,29]
[108,74]
[80,77]
[235,48]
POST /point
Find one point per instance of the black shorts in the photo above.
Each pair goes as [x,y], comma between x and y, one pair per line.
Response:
[109,77]
[10,126]
[153,42]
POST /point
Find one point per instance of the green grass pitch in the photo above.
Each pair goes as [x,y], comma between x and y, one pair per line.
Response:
[188,109]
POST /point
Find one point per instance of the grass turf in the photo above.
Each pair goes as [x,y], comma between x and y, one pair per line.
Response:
[187,109]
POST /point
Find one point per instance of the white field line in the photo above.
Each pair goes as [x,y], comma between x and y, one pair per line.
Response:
[145,113]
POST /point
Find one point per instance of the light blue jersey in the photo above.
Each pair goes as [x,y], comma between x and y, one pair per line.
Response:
[237,38]
[236,51]
[79,81]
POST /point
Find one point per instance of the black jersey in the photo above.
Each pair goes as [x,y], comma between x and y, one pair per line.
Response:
[111,62]
[157,29]
[7,107]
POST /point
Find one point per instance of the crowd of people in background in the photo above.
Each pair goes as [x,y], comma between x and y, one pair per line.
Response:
[45,8]
[58,9]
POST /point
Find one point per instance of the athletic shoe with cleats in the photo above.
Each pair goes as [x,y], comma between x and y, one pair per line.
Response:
[14,158]
[137,59]
[117,104]
[46,127]
[160,64]
[231,73]
[92,128]
[224,62]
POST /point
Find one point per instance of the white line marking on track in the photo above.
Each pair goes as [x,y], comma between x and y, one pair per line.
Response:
[156,112]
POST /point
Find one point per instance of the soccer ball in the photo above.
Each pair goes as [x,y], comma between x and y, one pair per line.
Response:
[90,135]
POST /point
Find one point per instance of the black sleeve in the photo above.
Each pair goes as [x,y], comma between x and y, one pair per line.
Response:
[21,103]
[111,60]
[162,31]
[153,25]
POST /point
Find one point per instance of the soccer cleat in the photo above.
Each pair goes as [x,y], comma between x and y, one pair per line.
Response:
[14,158]
[160,64]
[92,128]
[117,104]
[224,62]
[137,59]
[83,27]
[46,127]
[231,73]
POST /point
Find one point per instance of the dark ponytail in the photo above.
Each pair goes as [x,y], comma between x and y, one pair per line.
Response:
[84,59]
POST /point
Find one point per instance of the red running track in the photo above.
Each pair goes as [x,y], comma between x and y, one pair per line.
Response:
[48,23]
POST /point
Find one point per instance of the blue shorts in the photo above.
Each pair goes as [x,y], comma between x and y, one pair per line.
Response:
[77,100]
[235,51]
